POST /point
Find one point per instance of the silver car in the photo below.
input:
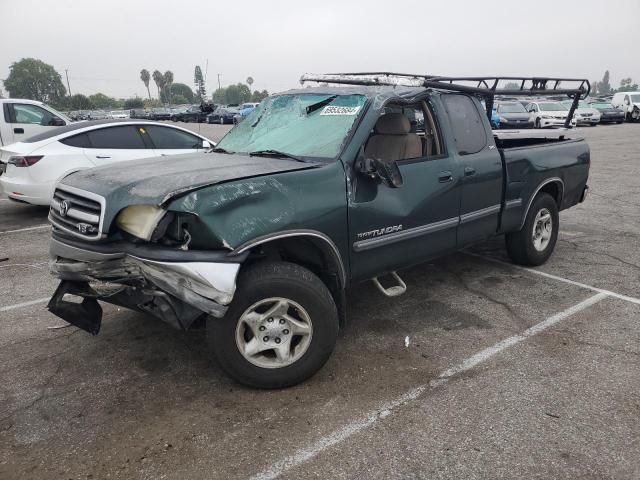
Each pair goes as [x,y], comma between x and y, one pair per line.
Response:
[585,114]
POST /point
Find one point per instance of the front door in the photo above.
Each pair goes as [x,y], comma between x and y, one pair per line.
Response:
[394,227]
[26,120]
[481,194]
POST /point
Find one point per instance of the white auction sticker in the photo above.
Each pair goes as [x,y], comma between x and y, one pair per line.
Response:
[335,110]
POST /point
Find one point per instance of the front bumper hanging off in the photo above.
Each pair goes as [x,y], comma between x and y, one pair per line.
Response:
[176,292]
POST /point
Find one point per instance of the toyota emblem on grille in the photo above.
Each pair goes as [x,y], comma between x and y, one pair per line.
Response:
[63,208]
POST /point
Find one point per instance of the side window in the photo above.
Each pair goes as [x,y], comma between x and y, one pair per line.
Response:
[164,137]
[466,123]
[80,141]
[116,137]
[32,114]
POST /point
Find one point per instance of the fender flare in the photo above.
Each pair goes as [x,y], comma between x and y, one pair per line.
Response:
[557,180]
[332,248]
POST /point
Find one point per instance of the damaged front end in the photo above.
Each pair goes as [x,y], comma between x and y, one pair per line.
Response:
[176,292]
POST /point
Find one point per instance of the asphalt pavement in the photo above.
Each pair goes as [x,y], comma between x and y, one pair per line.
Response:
[482,370]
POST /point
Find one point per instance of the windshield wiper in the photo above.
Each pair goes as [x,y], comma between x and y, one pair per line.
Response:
[312,108]
[274,153]
[219,150]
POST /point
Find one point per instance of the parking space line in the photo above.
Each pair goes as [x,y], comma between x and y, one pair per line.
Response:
[309,452]
[560,279]
[23,304]
[39,227]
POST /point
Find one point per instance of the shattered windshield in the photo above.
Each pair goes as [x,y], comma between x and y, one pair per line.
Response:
[304,125]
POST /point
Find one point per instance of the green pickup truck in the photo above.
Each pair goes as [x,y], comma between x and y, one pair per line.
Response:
[318,189]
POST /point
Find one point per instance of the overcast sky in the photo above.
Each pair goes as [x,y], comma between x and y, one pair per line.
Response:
[105,43]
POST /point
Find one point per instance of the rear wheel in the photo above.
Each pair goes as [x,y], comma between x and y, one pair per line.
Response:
[535,242]
[280,328]
[221,120]
[537,124]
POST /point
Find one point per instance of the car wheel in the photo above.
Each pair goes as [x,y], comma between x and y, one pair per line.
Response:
[537,124]
[221,120]
[535,242]
[280,328]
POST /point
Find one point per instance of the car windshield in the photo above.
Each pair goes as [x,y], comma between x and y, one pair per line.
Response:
[635,98]
[602,105]
[511,108]
[303,125]
[552,107]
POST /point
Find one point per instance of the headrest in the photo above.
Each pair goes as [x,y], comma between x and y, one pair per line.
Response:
[393,124]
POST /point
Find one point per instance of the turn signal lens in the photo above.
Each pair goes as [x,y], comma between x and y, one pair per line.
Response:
[24,161]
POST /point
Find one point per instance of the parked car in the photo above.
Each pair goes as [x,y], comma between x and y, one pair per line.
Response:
[513,115]
[585,114]
[222,115]
[629,102]
[97,115]
[177,113]
[197,113]
[608,113]
[548,113]
[33,166]
[245,110]
[20,119]
[138,113]
[160,114]
[118,114]
[331,187]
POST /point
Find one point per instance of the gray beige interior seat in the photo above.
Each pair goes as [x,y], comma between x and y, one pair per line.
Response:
[392,139]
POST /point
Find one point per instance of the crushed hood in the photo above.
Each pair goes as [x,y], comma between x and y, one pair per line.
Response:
[160,179]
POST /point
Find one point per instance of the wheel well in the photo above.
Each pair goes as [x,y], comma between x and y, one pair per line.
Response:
[555,190]
[313,253]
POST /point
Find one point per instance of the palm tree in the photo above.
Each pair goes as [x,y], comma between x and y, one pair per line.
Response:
[168,80]
[159,79]
[145,77]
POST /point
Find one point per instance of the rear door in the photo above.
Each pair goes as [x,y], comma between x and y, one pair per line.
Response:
[25,120]
[171,141]
[481,195]
[117,144]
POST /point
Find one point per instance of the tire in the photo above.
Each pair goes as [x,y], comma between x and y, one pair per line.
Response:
[522,247]
[299,295]
[537,124]
[221,120]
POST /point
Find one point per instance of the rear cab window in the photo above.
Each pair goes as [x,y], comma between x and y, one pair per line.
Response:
[466,123]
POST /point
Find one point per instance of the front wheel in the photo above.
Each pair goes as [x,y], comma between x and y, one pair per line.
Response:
[280,328]
[534,243]
[537,124]
[221,120]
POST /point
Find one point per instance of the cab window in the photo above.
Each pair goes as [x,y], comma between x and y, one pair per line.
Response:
[32,114]
[466,123]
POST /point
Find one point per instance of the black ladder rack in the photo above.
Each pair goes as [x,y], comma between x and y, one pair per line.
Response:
[487,87]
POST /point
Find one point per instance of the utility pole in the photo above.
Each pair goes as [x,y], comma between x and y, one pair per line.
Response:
[66,72]
[218,81]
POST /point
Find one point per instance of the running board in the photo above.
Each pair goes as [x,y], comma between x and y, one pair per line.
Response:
[394,291]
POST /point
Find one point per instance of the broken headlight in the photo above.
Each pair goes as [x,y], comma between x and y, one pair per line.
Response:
[140,220]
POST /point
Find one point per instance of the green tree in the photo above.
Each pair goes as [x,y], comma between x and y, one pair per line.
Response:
[33,79]
[79,102]
[153,103]
[146,77]
[219,97]
[130,103]
[180,100]
[198,81]
[511,86]
[182,90]
[604,87]
[100,100]
[158,78]
[627,85]
[259,96]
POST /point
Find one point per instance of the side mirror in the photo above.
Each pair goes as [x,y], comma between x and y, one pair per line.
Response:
[387,172]
[57,122]
[206,144]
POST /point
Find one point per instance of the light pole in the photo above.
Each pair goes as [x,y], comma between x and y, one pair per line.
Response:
[66,72]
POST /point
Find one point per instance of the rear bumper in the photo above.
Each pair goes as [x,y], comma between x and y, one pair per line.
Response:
[176,292]
[36,194]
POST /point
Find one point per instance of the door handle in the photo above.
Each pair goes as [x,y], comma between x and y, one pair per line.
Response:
[102,156]
[469,171]
[445,177]
[18,130]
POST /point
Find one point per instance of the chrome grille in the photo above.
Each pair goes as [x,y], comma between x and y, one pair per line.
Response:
[77,212]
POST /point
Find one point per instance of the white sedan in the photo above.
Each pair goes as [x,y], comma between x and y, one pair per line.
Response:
[30,169]
[548,113]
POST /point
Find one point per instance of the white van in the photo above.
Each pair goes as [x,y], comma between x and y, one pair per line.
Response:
[629,102]
[21,119]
